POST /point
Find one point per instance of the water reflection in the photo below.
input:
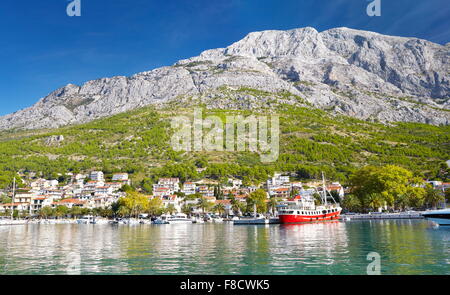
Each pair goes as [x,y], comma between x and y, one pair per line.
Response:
[409,247]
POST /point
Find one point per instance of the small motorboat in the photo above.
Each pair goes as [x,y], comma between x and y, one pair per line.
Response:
[441,217]
[179,218]
[161,220]
[87,219]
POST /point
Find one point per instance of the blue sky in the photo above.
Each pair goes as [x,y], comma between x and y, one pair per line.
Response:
[42,49]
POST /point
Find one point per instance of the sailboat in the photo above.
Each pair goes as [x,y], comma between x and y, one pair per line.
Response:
[303,208]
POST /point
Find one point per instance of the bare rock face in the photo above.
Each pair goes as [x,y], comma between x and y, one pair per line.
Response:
[54,140]
[356,73]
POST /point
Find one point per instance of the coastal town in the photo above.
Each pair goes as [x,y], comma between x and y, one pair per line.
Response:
[95,193]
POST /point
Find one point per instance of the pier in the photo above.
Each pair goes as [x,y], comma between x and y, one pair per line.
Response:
[371,216]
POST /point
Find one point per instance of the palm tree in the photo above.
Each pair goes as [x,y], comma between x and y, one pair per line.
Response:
[375,201]
[235,205]
[402,201]
[171,209]
[187,209]
[433,197]
[219,208]
[204,204]
[273,202]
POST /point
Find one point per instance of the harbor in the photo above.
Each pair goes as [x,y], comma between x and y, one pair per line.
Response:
[417,247]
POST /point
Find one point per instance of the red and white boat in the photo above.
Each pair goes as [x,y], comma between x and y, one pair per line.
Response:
[302,208]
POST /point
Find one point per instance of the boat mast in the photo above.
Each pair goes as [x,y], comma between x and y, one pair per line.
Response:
[13,196]
[324,189]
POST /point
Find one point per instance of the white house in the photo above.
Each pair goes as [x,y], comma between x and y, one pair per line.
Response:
[121,177]
[166,186]
[189,188]
[97,176]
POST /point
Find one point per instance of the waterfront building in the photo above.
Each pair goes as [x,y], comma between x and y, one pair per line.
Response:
[39,202]
[70,203]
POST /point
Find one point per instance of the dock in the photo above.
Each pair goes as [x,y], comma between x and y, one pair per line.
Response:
[403,215]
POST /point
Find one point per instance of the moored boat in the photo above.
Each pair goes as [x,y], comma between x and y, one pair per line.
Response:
[179,218]
[87,219]
[441,217]
[302,208]
[161,220]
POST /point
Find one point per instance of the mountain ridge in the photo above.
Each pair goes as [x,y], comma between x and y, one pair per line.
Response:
[357,73]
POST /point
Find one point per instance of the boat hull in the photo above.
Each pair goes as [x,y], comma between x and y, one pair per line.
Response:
[441,217]
[301,218]
[441,221]
[251,221]
[179,221]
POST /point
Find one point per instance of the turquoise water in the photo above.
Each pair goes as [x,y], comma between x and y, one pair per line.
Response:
[405,247]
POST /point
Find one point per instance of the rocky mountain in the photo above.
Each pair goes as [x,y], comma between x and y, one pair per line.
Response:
[357,73]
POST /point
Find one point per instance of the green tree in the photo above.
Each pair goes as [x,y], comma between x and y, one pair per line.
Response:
[433,197]
[257,198]
[389,182]
[273,202]
[45,212]
[75,211]
[415,196]
[134,202]
[155,206]
[375,201]
[205,204]
[220,208]
[187,209]
[61,211]
[170,209]
[351,203]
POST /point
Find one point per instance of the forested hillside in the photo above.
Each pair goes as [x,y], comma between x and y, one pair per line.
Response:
[138,142]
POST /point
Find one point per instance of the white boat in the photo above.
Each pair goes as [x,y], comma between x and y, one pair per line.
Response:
[179,218]
[162,219]
[12,222]
[100,221]
[255,219]
[441,217]
[198,219]
[87,219]
[217,219]
[130,221]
